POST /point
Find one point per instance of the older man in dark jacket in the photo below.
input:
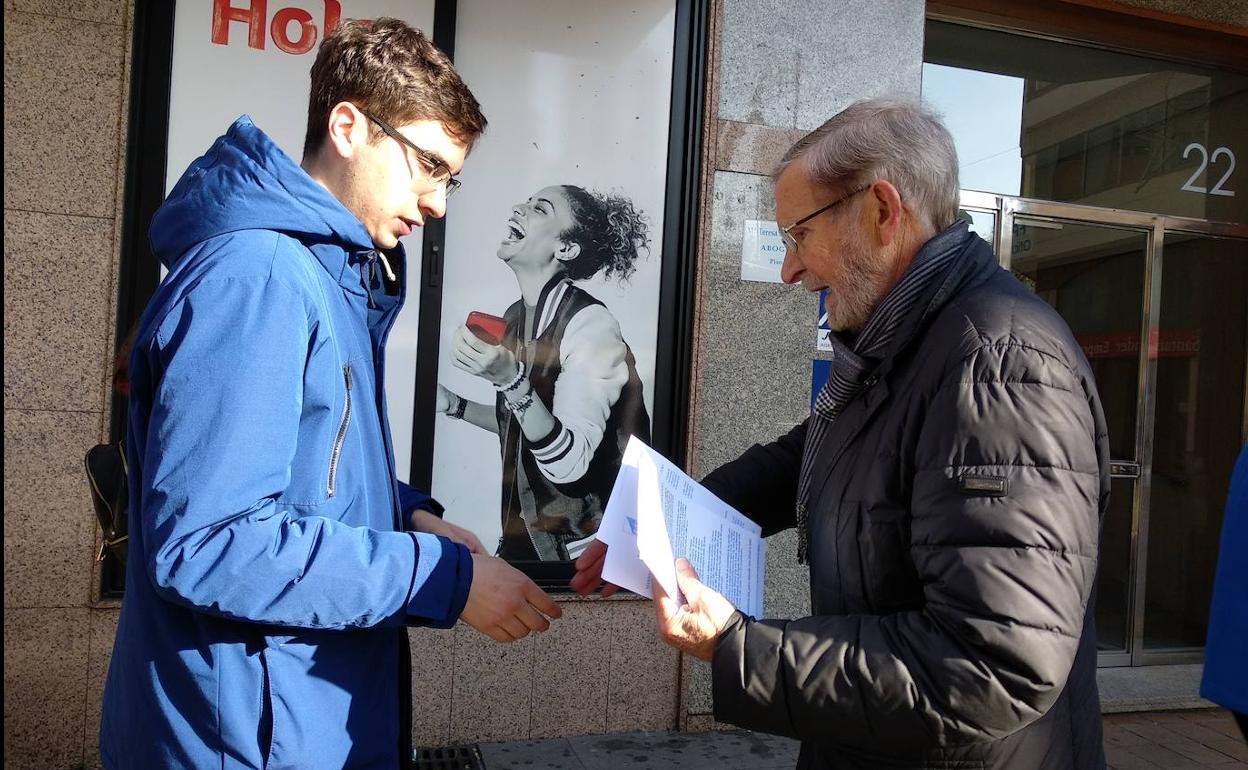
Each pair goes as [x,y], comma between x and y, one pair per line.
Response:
[948,487]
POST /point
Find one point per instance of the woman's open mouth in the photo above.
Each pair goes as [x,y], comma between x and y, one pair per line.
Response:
[515,233]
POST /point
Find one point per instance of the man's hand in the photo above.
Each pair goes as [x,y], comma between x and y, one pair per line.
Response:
[503,603]
[424,521]
[693,627]
[474,355]
[589,571]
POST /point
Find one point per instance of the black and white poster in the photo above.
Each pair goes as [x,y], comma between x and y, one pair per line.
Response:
[552,258]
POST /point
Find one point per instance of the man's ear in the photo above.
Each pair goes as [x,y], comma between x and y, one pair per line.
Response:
[887,210]
[568,252]
[348,129]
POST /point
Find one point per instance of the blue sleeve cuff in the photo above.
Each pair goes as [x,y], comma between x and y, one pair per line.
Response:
[440,581]
[411,498]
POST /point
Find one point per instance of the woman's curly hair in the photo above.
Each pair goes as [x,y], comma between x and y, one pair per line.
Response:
[610,231]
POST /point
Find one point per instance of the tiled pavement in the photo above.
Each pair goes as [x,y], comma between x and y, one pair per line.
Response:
[1165,740]
[1174,740]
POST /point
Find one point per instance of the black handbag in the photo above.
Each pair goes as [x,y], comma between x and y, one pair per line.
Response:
[107,476]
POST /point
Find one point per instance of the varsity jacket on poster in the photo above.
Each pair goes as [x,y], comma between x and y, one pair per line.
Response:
[555,490]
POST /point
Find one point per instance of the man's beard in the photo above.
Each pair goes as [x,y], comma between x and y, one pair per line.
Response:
[863,279]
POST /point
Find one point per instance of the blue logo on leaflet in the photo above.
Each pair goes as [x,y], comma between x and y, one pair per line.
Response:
[632,524]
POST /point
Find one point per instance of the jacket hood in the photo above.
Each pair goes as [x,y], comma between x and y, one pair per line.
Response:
[246,182]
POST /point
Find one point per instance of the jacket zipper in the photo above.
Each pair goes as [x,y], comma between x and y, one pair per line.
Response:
[342,433]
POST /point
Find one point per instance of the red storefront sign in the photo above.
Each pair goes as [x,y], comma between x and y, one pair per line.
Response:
[1166,343]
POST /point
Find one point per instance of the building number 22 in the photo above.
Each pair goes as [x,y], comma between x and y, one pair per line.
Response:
[1206,159]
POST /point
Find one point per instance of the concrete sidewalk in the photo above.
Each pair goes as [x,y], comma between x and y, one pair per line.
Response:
[735,750]
[1174,740]
[1197,739]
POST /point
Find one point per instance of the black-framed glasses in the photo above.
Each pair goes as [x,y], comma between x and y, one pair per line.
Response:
[437,171]
[786,233]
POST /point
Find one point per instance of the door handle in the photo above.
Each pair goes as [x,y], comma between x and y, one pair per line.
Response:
[1123,470]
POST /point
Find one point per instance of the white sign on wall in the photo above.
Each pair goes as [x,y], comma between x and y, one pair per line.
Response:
[236,57]
[762,252]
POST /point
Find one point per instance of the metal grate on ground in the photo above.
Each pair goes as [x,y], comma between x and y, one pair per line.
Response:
[447,758]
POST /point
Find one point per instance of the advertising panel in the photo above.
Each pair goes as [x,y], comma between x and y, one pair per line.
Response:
[552,261]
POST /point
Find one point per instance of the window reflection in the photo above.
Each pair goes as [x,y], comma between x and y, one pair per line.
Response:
[1064,122]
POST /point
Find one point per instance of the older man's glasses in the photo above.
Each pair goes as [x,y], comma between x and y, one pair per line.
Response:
[786,233]
[434,168]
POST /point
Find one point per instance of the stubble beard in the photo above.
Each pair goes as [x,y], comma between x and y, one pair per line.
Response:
[863,280]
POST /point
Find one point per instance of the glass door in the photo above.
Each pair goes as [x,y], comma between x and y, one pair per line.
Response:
[1159,306]
[1200,356]
[1094,275]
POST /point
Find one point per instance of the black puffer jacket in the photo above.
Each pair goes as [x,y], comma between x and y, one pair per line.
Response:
[953,540]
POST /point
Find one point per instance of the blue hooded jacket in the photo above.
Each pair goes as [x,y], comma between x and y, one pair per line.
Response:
[1225,678]
[269,578]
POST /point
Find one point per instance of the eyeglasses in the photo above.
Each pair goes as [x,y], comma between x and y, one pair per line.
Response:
[786,233]
[437,171]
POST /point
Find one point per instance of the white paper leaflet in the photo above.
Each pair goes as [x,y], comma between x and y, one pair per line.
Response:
[657,513]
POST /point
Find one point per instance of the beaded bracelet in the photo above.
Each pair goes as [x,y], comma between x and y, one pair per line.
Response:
[521,406]
[515,381]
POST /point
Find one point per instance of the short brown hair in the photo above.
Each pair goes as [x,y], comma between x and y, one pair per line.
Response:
[391,70]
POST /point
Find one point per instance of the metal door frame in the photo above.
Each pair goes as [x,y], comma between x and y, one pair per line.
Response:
[1006,208]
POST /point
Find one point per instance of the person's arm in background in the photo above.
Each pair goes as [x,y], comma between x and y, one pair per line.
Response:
[483,416]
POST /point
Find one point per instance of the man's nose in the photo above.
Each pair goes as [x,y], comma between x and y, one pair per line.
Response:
[433,204]
[791,270]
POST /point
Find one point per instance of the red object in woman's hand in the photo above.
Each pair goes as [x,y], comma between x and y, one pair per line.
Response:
[489,328]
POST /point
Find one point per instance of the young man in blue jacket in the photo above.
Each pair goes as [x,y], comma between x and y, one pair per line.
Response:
[275,559]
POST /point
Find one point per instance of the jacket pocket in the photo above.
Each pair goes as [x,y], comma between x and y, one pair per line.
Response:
[341,436]
[264,729]
[890,582]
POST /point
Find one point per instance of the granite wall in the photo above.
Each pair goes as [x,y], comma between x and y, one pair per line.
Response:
[65,92]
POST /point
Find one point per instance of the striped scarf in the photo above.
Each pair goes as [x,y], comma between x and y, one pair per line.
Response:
[854,360]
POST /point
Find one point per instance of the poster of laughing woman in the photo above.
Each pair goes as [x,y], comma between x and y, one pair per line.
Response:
[552,268]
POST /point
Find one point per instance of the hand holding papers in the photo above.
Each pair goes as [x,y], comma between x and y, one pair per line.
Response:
[657,513]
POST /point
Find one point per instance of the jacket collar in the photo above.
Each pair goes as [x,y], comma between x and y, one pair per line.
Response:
[974,263]
[549,302]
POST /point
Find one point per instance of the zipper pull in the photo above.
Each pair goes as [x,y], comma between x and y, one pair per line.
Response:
[346,373]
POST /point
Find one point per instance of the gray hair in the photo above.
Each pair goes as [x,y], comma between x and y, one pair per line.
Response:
[898,141]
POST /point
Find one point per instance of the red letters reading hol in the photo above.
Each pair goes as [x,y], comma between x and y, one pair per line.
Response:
[253,14]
